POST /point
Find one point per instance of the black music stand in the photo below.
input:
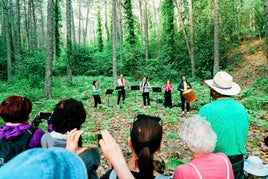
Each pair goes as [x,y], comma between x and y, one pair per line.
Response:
[109,92]
[135,88]
[119,88]
[157,90]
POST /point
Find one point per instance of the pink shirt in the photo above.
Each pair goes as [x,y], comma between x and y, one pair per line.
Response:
[210,166]
[168,87]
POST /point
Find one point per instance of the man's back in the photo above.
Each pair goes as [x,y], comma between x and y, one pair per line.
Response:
[229,120]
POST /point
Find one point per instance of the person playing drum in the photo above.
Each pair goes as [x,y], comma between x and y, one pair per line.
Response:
[183,86]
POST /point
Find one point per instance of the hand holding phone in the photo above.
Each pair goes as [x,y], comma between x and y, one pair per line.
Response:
[91,140]
[44,115]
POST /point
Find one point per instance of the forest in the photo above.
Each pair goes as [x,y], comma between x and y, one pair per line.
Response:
[54,49]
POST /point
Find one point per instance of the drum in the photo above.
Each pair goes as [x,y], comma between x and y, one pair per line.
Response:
[189,95]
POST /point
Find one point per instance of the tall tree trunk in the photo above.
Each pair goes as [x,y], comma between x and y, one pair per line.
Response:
[146,34]
[14,34]
[3,33]
[120,32]
[49,49]
[69,39]
[191,37]
[141,21]
[27,40]
[156,21]
[79,22]
[216,65]
[73,26]
[182,27]
[114,39]
[57,26]
[34,26]
[106,22]
[86,28]
[43,36]
[6,7]
[17,34]
[265,3]
[30,28]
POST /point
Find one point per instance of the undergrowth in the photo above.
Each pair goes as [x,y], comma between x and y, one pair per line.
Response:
[254,98]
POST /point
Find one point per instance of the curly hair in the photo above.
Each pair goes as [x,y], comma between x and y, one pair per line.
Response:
[16,109]
[68,114]
[198,135]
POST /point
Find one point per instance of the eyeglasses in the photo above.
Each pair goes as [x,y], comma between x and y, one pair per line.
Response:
[140,117]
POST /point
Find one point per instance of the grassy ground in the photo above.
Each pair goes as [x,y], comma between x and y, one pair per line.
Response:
[118,119]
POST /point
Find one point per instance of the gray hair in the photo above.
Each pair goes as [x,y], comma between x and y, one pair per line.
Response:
[198,135]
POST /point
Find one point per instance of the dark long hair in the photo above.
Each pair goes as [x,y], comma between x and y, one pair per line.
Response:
[146,136]
[94,83]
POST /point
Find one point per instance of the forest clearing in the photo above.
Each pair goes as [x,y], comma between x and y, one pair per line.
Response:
[54,50]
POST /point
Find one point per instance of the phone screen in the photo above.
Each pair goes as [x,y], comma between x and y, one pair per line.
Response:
[45,115]
[90,140]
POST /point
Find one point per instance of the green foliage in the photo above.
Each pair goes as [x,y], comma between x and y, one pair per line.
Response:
[130,37]
[173,163]
[168,31]
[58,25]
[99,33]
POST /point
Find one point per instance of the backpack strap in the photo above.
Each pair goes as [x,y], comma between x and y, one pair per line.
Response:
[197,171]
[28,134]
[227,166]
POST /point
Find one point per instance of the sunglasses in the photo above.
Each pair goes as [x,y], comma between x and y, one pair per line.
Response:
[140,117]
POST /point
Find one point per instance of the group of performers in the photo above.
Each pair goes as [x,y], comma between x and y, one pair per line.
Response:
[183,86]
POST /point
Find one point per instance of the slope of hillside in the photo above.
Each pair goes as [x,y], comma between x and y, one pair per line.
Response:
[253,63]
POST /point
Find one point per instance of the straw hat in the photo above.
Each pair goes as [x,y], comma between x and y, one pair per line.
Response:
[253,165]
[223,84]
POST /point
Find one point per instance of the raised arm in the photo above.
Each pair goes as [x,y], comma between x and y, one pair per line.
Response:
[113,154]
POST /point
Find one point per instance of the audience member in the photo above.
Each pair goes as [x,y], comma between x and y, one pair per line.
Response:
[145,139]
[228,119]
[201,140]
[110,149]
[17,135]
[45,163]
[67,115]
[253,167]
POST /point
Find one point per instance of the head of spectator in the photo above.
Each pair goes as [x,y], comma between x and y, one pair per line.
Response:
[222,85]
[67,115]
[193,132]
[145,139]
[16,109]
[45,163]
[253,165]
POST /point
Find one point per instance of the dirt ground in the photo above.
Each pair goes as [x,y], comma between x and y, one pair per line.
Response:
[252,65]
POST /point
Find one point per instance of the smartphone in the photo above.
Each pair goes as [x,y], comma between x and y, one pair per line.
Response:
[91,140]
[44,115]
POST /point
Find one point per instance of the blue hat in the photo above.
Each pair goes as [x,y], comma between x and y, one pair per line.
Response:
[45,163]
